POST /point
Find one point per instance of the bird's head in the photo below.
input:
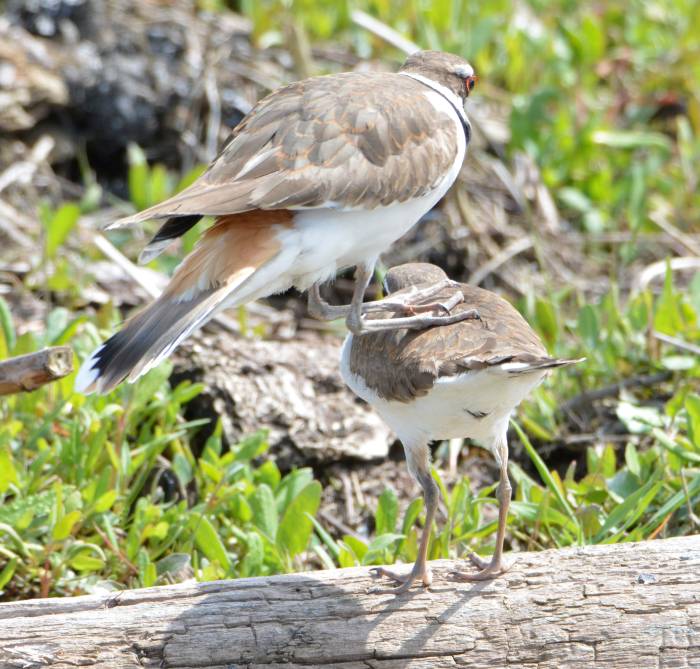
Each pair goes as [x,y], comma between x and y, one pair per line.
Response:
[412,274]
[453,72]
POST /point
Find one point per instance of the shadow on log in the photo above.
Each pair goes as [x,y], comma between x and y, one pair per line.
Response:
[627,605]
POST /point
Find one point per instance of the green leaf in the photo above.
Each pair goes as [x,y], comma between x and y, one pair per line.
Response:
[547,321]
[588,326]
[65,524]
[262,503]
[621,139]
[544,473]
[8,338]
[59,225]
[138,177]
[625,514]
[85,561]
[251,447]
[8,472]
[295,527]
[208,540]
[255,555]
[632,459]
[8,571]
[692,407]
[105,501]
[387,512]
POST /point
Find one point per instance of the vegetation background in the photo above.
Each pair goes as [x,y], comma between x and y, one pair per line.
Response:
[588,127]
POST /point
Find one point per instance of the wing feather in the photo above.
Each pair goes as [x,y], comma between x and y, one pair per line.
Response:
[335,138]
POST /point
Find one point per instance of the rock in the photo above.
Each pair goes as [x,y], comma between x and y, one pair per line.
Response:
[291,388]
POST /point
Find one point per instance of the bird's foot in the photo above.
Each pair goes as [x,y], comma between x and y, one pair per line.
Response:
[417,322]
[405,581]
[488,569]
[414,302]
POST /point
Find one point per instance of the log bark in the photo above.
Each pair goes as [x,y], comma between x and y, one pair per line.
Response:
[29,372]
[629,605]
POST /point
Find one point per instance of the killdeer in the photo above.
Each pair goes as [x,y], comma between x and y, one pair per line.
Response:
[457,380]
[322,175]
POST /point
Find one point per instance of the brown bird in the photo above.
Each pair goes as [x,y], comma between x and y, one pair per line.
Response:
[321,175]
[458,380]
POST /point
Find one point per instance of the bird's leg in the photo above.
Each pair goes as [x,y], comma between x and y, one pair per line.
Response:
[358,325]
[405,304]
[494,567]
[419,465]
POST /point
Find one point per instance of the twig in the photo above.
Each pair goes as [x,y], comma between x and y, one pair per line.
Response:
[672,231]
[25,373]
[657,269]
[678,343]
[24,170]
[383,31]
[510,251]
[214,120]
[590,396]
[10,223]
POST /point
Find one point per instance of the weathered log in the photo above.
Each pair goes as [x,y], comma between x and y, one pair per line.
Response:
[29,372]
[629,605]
[291,387]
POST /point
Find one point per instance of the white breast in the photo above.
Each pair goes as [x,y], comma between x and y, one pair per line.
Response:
[333,239]
[451,409]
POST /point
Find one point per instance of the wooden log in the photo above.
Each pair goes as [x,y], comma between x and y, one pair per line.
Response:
[29,372]
[628,605]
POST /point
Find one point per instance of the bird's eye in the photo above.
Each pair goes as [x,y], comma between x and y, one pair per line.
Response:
[471,82]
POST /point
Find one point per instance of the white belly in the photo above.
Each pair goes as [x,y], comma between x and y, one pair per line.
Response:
[332,239]
[454,406]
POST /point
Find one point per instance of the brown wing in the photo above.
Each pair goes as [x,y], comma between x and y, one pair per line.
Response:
[417,358]
[347,139]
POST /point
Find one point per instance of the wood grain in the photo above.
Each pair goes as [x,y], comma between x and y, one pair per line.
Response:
[630,605]
[29,372]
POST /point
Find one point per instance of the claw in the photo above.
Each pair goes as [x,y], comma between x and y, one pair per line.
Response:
[404,581]
[487,569]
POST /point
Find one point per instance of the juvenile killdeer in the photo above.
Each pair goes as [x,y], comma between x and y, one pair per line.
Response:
[321,175]
[458,380]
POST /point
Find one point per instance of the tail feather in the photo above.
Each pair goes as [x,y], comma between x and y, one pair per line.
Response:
[145,340]
[174,227]
[213,276]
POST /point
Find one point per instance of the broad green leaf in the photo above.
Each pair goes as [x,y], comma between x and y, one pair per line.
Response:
[8,472]
[624,514]
[387,512]
[295,527]
[544,473]
[262,503]
[8,571]
[208,540]
[8,338]
[59,225]
[138,177]
[65,524]
[692,407]
[629,139]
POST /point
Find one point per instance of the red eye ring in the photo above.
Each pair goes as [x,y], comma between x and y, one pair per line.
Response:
[470,82]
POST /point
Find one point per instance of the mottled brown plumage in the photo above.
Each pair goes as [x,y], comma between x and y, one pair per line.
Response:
[404,364]
[321,175]
[451,381]
[356,139]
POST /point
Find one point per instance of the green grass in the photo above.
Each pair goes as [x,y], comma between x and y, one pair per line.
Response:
[114,491]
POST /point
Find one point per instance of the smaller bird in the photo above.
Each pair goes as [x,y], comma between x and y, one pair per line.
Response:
[458,380]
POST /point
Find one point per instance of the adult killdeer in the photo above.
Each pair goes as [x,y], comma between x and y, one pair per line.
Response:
[321,175]
[457,380]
